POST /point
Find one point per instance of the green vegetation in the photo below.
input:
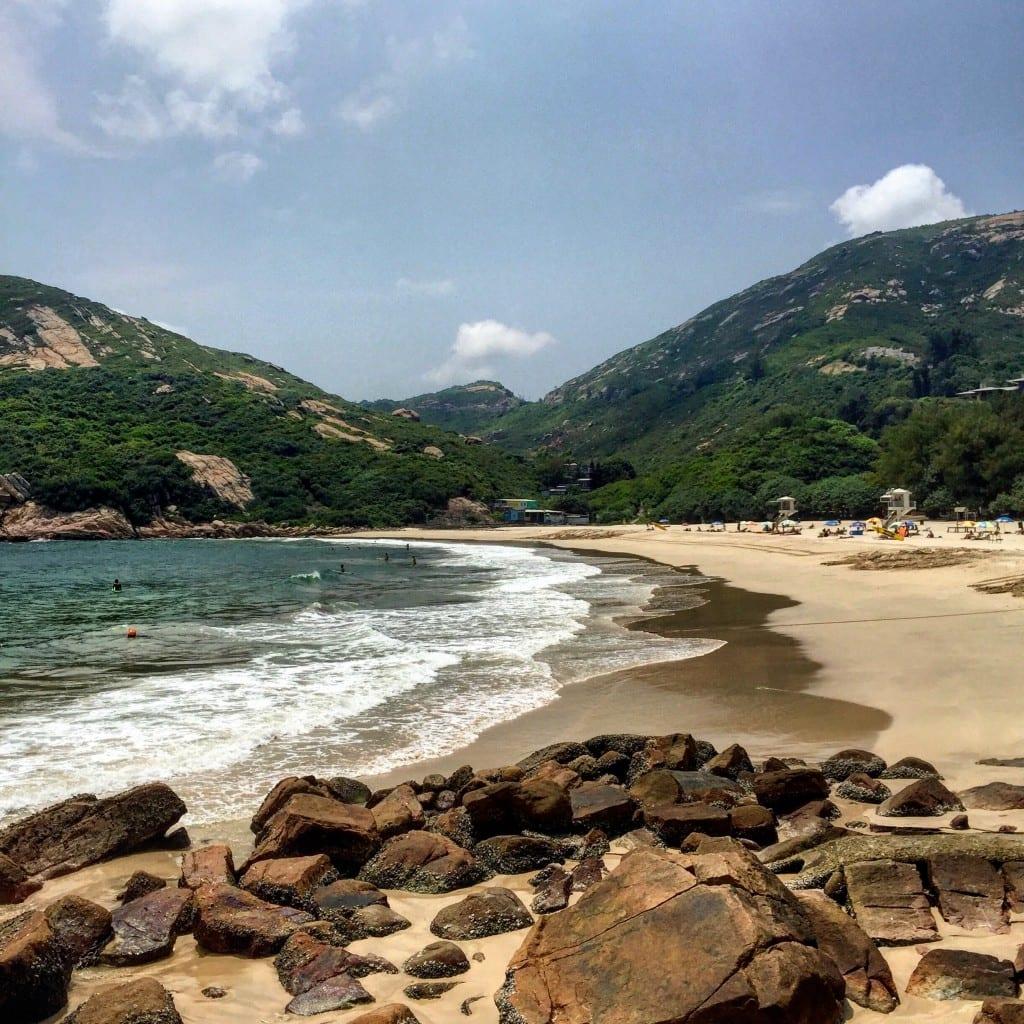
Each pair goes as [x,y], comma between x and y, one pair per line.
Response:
[466,408]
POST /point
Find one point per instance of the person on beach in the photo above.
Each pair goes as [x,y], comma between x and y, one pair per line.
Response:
[117,586]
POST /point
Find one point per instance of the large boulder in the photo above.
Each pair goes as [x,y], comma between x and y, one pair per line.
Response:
[671,937]
[851,762]
[959,974]
[1000,1011]
[677,751]
[441,959]
[597,805]
[672,823]
[15,884]
[890,903]
[339,900]
[34,972]
[543,805]
[730,763]
[310,824]
[230,920]
[662,786]
[85,830]
[925,798]
[790,788]
[492,809]
[289,881]
[82,928]
[398,812]
[994,796]
[754,823]
[490,912]
[869,982]
[511,855]
[306,961]
[213,864]
[141,1001]
[969,891]
[145,929]
[282,792]
[423,862]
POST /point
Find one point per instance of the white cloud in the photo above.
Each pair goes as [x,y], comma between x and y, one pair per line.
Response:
[486,339]
[236,167]
[366,111]
[290,124]
[907,196]
[431,288]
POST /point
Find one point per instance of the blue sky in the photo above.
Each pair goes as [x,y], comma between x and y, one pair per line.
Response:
[386,196]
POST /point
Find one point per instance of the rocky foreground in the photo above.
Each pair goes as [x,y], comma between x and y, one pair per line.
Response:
[670,882]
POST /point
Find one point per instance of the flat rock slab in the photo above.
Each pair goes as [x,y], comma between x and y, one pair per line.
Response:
[289,881]
[672,823]
[890,903]
[230,920]
[145,929]
[970,892]
[995,796]
[339,993]
[142,1001]
[213,864]
[596,805]
[959,974]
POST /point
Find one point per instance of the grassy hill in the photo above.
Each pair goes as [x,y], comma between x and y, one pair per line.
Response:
[467,408]
[96,407]
[800,379]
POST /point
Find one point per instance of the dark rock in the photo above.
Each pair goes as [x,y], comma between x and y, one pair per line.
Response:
[543,805]
[662,786]
[925,798]
[348,791]
[969,892]
[434,782]
[230,920]
[377,922]
[141,1001]
[141,883]
[553,892]
[1013,877]
[438,960]
[788,789]
[674,752]
[82,929]
[609,808]
[995,796]
[392,1013]
[729,763]
[753,822]
[1000,1011]
[466,1007]
[869,982]
[587,873]
[85,830]
[145,929]
[454,825]
[341,992]
[15,884]
[586,767]
[613,763]
[890,903]
[306,961]
[398,812]
[445,800]
[34,972]
[423,862]
[511,855]
[459,778]
[960,822]
[911,768]
[774,764]
[852,762]
[214,992]
[672,823]
[493,809]
[490,912]
[563,753]
[289,881]
[176,839]
[958,974]
[428,989]
[339,900]
[863,789]
[624,743]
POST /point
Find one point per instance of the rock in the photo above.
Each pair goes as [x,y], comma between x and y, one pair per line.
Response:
[34,971]
[543,805]
[960,822]
[852,762]
[85,830]
[141,1001]
[625,743]
[995,796]
[377,922]
[1000,1011]
[490,912]
[338,900]
[911,768]
[454,825]
[214,992]
[662,786]
[281,793]
[672,823]
[863,789]
[609,808]
[459,778]
[230,920]
[958,974]
[774,764]
[675,752]
[438,960]
[209,864]
[614,763]
[348,791]
[341,992]
[466,1006]
[82,929]
[551,771]
[445,800]
[788,789]
[618,953]
[729,763]
[423,862]
[1013,878]
[563,753]
[140,884]
[969,892]
[145,929]
[289,881]
[753,822]
[587,873]
[869,982]
[586,767]
[33,521]
[511,855]
[15,884]
[592,844]
[492,809]
[890,903]
[428,989]
[639,838]
[310,824]
[398,812]
[1007,829]
[925,798]
[553,892]
[391,1013]
[306,961]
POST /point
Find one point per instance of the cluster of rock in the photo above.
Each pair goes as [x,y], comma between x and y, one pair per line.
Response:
[738,897]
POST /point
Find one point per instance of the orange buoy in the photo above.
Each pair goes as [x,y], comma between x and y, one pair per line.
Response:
[132,632]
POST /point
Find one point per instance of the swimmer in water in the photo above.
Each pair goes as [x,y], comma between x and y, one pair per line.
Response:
[342,567]
[117,586]
[387,557]
[413,559]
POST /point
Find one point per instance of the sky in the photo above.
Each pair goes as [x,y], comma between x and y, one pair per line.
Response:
[387,197]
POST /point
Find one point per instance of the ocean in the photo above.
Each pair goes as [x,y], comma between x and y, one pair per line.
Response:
[257,659]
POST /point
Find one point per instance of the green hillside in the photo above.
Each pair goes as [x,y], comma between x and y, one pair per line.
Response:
[467,408]
[96,407]
[797,379]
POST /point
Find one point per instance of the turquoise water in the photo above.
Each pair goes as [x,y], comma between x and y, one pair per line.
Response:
[255,659]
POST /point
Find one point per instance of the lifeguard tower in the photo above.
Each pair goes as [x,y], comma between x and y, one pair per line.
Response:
[786,512]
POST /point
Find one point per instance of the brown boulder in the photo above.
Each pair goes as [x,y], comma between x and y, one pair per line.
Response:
[662,786]
[281,793]
[730,763]
[596,805]
[34,971]
[511,855]
[786,790]
[142,1001]
[423,862]
[852,762]
[492,809]
[995,796]
[490,912]
[82,928]
[911,768]
[587,873]
[213,864]
[958,974]
[311,824]
[289,881]
[15,884]
[675,752]
[890,903]
[753,822]
[562,752]
[85,830]
[969,891]
[140,883]
[543,805]
[618,954]
[1000,1011]
[438,960]
[398,812]
[230,920]
[341,992]
[925,798]
[306,961]
[553,891]
[869,982]
[145,929]
[392,1013]
[339,900]
[672,823]
[377,922]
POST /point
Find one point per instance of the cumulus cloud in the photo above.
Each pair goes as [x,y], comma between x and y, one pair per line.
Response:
[365,110]
[486,340]
[907,196]
[431,288]
[236,167]
[290,124]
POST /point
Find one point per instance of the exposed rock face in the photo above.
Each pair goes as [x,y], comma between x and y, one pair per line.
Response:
[145,929]
[672,823]
[85,830]
[1000,1011]
[438,960]
[82,928]
[869,981]
[786,790]
[596,805]
[730,762]
[544,805]
[926,798]
[33,521]
[230,920]
[491,912]
[398,812]
[142,1001]
[54,344]
[423,862]
[969,892]
[221,476]
[958,974]
[141,883]
[670,937]
[15,884]
[34,971]
[289,881]
[209,864]
[995,796]
[890,902]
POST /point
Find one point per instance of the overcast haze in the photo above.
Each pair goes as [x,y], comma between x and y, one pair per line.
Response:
[385,197]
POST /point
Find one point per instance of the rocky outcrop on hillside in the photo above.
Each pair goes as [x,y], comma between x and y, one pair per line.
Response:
[32,521]
[221,476]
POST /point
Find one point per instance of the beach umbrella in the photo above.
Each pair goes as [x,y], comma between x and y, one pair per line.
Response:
[717,522]
[857,524]
[831,522]
[1005,519]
